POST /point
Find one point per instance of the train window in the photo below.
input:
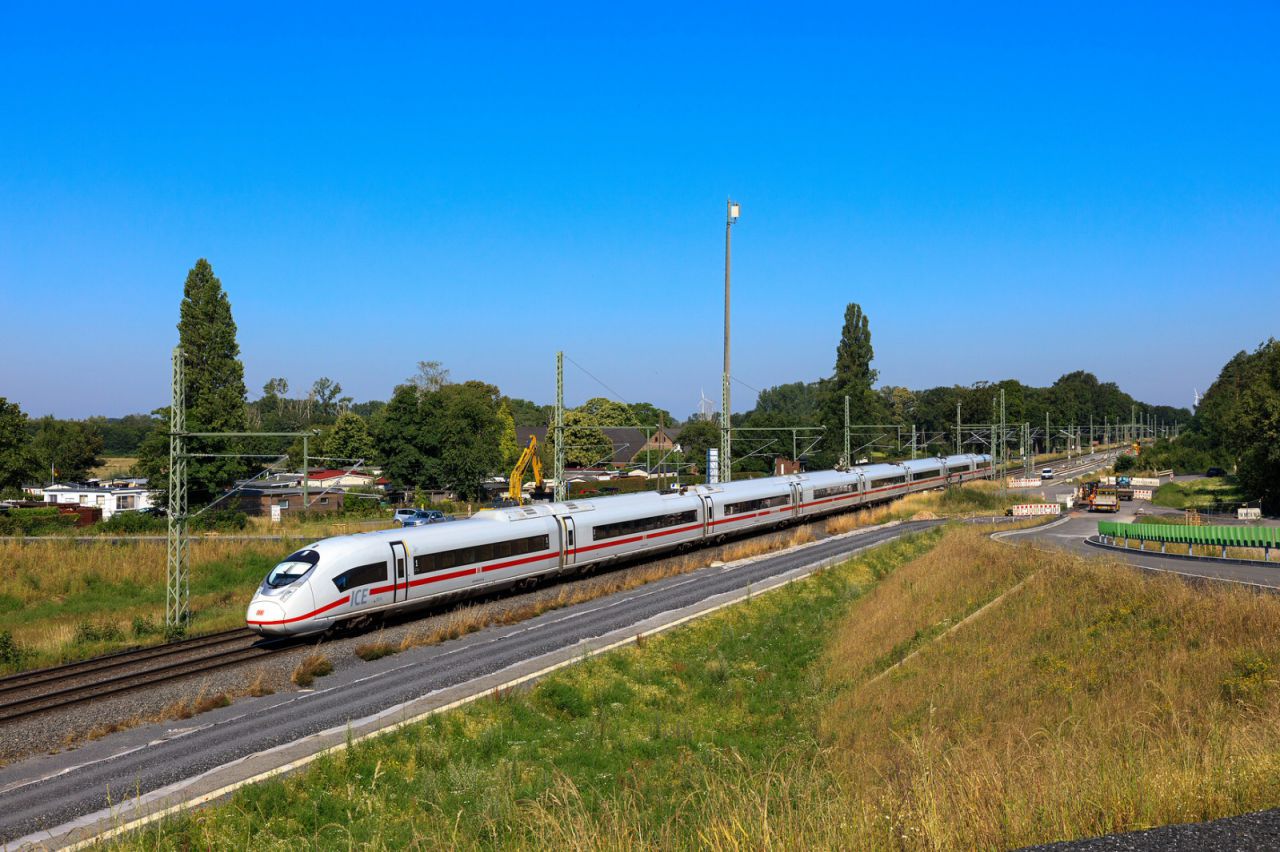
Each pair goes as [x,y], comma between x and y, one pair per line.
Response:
[890,480]
[832,490]
[374,572]
[958,468]
[446,559]
[639,525]
[927,474]
[292,568]
[756,505]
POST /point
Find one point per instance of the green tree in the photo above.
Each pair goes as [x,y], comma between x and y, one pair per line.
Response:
[350,439]
[1255,435]
[326,392]
[585,443]
[526,413]
[70,448]
[431,376]
[696,437]
[509,448]
[600,411]
[648,414]
[214,389]
[398,439]
[854,378]
[463,435]
[16,462]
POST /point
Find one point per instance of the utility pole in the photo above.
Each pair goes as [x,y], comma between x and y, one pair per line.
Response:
[1046,432]
[848,462]
[562,487]
[1004,435]
[726,437]
[177,582]
[913,441]
[957,428]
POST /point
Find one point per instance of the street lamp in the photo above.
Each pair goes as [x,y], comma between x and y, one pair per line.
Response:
[732,210]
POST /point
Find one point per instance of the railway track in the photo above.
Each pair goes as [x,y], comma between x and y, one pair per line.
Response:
[29,693]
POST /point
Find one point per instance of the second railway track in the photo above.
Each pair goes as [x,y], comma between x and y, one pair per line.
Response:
[30,693]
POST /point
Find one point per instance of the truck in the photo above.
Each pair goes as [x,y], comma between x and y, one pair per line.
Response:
[1099,497]
[1105,499]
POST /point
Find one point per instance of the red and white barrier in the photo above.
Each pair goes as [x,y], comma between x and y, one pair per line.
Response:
[1023,483]
[1142,493]
[1027,510]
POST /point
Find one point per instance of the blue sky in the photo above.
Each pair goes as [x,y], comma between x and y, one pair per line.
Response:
[1014,191]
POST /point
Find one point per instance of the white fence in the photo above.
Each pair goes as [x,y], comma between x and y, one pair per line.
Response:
[1026,510]
[1023,483]
[1246,513]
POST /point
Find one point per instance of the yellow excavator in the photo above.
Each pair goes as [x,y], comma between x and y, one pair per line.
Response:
[515,488]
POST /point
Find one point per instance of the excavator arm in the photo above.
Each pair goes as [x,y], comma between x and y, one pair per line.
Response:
[515,487]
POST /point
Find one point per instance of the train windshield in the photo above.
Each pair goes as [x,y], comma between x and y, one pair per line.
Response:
[292,568]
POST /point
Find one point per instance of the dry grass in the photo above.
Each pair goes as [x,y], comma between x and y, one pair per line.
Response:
[312,666]
[1090,699]
[48,589]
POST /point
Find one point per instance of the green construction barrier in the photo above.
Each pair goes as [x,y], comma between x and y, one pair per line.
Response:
[1220,536]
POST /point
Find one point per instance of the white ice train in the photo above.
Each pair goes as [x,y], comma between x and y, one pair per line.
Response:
[351,578]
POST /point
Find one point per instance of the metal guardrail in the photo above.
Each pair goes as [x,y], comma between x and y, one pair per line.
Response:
[1222,537]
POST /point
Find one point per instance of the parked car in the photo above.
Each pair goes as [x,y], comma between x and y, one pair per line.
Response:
[401,514]
[424,516]
[1215,471]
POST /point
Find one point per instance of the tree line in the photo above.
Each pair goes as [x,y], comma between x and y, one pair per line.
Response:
[1236,427]
[435,433]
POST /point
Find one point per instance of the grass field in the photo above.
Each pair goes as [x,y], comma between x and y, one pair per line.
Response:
[1196,494]
[66,601]
[114,466]
[935,694]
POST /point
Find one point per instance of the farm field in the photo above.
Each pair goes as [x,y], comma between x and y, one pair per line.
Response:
[944,692]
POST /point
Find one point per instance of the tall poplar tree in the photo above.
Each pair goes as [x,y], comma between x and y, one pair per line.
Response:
[213,381]
[854,378]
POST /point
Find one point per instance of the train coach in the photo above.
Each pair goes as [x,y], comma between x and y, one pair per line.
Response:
[351,579]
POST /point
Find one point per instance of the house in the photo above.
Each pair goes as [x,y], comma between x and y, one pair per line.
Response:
[109,498]
[629,443]
[346,479]
[260,501]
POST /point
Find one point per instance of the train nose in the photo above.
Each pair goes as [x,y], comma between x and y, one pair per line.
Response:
[264,616]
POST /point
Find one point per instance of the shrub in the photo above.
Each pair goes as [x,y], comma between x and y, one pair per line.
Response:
[11,653]
[144,626]
[87,632]
[35,522]
[126,523]
[1126,462]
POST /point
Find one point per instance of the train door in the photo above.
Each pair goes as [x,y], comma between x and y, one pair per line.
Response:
[706,516]
[797,494]
[399,571]
[568,543]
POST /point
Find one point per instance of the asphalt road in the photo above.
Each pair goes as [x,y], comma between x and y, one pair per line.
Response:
[1070,533]
[41,794]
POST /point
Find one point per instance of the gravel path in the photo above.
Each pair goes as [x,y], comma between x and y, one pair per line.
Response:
[1248,832]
